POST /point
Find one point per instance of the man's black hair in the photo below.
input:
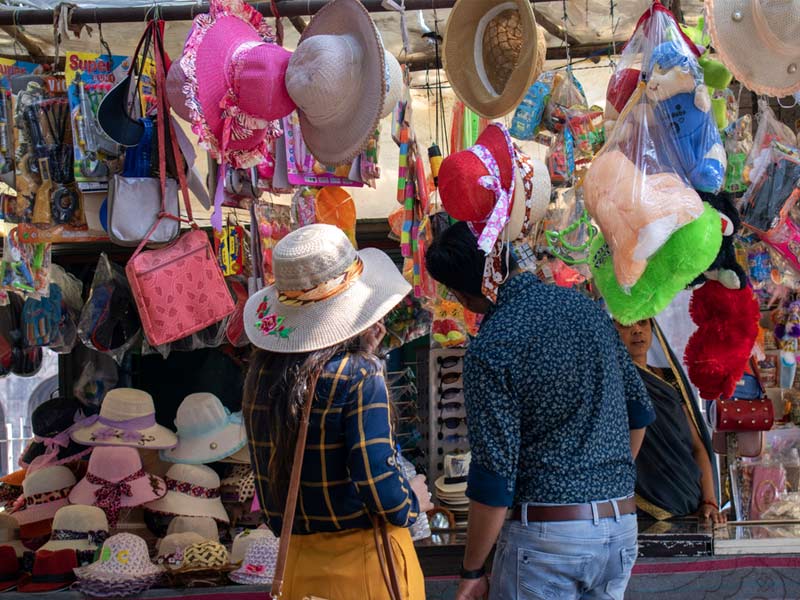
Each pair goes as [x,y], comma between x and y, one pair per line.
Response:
[455,260]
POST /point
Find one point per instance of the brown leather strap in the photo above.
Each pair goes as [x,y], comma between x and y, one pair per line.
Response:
[294,489]
[575,512]
[393,579]
[383,547]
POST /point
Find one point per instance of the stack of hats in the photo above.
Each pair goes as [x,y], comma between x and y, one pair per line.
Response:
[43,492]
[123,569]
[451,488]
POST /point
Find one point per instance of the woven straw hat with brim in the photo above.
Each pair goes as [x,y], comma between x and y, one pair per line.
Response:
[78,527]
[759,41]
[192,491]
[337,78]
[490,54]
[325,292]
[205,564]
[44,492]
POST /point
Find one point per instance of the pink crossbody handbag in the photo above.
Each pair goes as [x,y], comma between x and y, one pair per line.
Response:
[179,289]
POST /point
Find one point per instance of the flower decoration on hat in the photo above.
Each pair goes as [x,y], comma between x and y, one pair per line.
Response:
[271,324]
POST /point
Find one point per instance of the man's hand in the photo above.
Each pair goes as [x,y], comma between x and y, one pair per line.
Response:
[708,512]
[473,589]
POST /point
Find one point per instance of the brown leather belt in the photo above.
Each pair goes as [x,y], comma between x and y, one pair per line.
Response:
[575,512]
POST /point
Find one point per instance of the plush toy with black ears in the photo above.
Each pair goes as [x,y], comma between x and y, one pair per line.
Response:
[725,269]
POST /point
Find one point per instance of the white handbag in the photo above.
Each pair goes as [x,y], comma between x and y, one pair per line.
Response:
[134,204]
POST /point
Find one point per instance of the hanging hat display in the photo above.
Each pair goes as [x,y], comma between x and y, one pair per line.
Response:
[759,41]
[207,431]
[235,88]
[127,418]
[490,54]
[337,78]
[192,491]
[122,569]
[116,480]
[51,422]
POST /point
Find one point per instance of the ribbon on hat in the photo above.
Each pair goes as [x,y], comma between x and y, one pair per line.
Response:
[130,428]
[400,8]
[109,495]
[93,537]
[53,445]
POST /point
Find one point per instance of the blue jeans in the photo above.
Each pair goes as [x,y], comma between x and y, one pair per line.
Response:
[560,560]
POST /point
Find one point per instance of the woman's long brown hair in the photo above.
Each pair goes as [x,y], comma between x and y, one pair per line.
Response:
[274,394]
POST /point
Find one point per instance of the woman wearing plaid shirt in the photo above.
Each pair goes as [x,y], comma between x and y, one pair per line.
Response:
[350,474]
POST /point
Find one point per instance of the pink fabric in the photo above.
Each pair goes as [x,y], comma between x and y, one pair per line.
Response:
[39,512]
[179,290]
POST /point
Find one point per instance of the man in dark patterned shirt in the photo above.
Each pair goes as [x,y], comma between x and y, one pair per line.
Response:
[556,412]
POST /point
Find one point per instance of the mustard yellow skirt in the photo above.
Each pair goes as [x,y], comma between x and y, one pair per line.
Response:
[345,566]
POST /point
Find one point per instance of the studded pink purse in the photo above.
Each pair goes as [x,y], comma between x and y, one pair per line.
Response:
[179,289]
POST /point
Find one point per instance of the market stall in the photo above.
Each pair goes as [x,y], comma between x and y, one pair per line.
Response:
[656,172]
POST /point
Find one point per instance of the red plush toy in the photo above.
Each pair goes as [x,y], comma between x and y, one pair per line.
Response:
[727,327]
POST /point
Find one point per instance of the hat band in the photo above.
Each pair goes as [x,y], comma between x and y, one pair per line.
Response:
[109,495]
[52,578]
[46,497]
[454,480]
[185,487]
[128,430]
[325,290]
[70,535]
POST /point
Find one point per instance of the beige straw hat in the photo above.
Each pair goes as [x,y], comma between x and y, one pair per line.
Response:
[324,293]
[337,78]
[78,527]
[759,41]
[490,54]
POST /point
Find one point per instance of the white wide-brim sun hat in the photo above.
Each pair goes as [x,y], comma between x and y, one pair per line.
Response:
[759,42]
[325,292]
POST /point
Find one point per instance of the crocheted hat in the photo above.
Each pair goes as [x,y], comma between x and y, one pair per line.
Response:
[127,418]
[192,491]
[78,528]
[207,431]
[116,480]
[235,86]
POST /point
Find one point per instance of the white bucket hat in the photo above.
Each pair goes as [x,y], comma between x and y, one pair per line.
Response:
[171,547]
[759,41]
[207,431]
[123,568]
[337,78]
[258,565]
[245,539]
[192,491]
[9,534]
[324,293]
[127,418]
[206,527]
[78,527]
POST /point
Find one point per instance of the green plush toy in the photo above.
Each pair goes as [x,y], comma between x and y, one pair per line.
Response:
[688,253]
[716,75]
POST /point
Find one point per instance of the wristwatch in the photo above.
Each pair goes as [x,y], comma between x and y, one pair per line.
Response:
[475,574]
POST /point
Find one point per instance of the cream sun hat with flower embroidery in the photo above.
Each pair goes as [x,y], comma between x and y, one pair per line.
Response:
[324,292]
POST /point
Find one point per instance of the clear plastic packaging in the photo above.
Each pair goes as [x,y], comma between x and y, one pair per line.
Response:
[769,130]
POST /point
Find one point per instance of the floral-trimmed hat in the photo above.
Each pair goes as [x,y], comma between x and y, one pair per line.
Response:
[127,418]
[258,566]
[192,491]
[235,88]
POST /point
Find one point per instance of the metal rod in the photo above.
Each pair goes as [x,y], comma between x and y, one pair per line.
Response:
[186,12]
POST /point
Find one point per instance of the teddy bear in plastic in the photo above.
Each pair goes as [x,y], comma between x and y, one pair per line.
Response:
[682,103]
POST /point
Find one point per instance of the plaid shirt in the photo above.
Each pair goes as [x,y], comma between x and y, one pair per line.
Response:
[350,470]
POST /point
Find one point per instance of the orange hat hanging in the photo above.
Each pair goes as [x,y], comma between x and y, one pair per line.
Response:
[335,206]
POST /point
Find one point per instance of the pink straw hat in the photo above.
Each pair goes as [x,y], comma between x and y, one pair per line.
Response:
[235,82]
[115,480]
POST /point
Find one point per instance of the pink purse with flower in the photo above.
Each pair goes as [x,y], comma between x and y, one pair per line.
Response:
[179,289]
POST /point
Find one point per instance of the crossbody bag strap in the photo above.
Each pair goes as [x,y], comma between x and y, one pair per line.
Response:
[383,547]
[163,119]
[293,492]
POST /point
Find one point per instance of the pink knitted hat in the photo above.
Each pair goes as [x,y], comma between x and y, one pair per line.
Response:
[235,82]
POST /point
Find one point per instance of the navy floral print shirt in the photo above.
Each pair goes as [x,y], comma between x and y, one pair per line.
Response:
[551,395]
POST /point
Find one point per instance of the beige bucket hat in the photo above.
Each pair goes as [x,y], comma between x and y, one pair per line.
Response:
[192,491]
[759,41]
[490,53]
[337,78]
[78,527]
[324,292]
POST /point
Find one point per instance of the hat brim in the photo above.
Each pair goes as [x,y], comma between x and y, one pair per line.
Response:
[339,144]
[757,67]
[142,492]
[450,488]
[71,453]
[335,320]
[162,438]
[542,187]
[241,577]
[95,572]
[175,503]
[241,457]
[35,529]
[78,545]
[458,57]
[198,450]
[10,584]
[26,586]
[39,512]
[15,478]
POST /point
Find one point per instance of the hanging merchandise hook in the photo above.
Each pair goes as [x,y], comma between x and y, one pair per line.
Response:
[400,7]
[273,5]
[565,19]
[103,41]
